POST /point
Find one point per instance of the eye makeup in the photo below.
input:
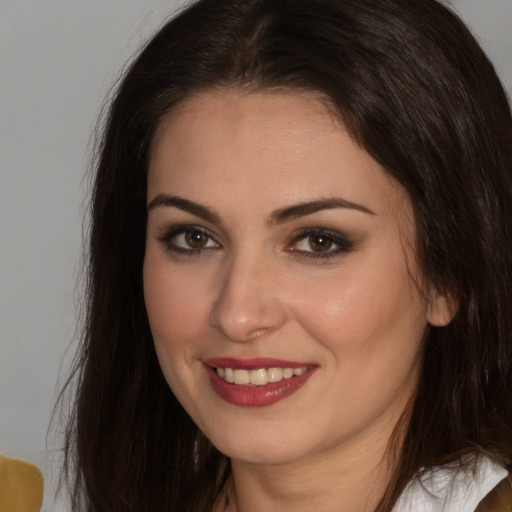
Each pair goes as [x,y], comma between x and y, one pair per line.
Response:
[317,242]
[309,243]
[188,240]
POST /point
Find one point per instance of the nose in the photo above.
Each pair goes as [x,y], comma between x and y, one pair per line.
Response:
[248,304]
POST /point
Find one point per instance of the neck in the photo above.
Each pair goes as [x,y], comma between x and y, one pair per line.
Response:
[348,479]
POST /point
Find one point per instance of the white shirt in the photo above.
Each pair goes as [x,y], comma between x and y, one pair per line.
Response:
[448,489]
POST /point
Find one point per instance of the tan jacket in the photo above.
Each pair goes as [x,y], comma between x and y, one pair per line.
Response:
[499,499]
[21,486]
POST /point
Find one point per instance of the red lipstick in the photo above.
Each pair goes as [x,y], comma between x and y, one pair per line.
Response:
[252,364]
[252,395]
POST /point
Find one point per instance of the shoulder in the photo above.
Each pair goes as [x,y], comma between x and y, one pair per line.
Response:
[452,488]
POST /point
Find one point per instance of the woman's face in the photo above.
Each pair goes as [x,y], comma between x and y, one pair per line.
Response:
[275,247]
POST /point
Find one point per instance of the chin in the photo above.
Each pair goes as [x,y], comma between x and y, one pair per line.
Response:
[266,446]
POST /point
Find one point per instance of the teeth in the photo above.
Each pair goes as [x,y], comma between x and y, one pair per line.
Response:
[229,377]
[258,377]
[241,377]
[275,374]
[287,373]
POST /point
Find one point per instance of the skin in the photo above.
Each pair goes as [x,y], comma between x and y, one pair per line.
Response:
[258,288]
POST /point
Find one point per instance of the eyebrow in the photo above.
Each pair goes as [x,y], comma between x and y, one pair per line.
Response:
[300,210]
[277,217]
[196,209]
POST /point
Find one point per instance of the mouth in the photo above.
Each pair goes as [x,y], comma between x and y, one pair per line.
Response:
[256,382]
[259,377]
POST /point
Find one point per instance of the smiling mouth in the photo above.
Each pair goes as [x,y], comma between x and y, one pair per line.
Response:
[256,382]
[260,376]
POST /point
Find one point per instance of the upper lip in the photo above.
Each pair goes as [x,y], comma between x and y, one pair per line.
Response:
[253,363]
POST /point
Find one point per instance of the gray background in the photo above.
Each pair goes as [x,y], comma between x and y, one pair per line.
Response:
[58,60]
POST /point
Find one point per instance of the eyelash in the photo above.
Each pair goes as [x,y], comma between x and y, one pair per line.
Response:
[340,242]
[169,240]
[343,244]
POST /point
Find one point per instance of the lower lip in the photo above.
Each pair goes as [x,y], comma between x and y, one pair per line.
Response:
[256,396]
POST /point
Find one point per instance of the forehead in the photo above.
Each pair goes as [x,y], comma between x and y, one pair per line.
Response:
[289,145]
[275,111]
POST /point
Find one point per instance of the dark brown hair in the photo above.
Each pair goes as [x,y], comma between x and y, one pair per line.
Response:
[414,90]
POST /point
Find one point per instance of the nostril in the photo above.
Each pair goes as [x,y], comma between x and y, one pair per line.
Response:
[247,306]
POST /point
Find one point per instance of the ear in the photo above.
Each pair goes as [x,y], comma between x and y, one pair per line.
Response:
[441,308]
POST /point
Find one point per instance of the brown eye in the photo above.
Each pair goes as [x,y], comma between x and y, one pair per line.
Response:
[196,239]
[320,242]
[188,239]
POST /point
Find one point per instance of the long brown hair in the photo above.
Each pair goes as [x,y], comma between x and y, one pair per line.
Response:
[414,90]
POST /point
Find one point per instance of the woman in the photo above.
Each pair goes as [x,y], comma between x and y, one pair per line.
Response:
[299,281]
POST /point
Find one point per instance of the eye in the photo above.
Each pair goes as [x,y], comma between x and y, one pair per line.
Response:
[188,239]
[317,243]
[193,239]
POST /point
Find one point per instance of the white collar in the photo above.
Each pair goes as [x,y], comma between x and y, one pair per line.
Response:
[450,488]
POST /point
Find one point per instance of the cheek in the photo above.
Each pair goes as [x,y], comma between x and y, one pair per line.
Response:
[174,304]
[360,308]
[370,324]
[176,317]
